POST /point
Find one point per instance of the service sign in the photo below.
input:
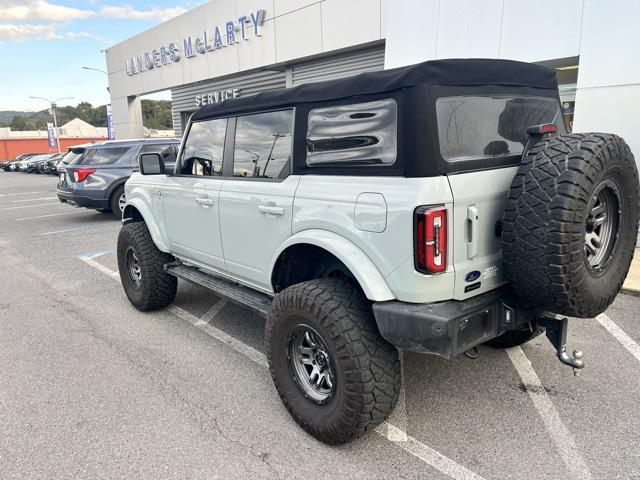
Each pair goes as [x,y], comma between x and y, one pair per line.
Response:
[228,34]
[208,98]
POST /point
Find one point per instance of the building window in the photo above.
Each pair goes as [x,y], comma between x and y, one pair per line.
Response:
[263,145]
[353,135]
[204,148]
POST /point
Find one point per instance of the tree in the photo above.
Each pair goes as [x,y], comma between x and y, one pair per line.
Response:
[20,123]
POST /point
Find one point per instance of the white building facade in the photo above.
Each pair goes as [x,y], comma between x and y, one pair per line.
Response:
[229,48]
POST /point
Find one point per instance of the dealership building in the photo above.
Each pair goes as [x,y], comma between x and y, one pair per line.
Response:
[230,48]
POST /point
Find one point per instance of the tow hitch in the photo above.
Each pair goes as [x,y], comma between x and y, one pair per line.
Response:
[556,331]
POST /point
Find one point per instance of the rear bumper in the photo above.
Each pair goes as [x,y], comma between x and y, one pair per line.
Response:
[81,201]
[451,327]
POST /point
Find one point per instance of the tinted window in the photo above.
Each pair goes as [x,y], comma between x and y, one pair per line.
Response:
[472,127]
[351,135]
[167,152]
[102,156]
[204,148]
[72,157]
[263,145]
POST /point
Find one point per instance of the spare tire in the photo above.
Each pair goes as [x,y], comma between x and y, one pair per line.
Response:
[570,223]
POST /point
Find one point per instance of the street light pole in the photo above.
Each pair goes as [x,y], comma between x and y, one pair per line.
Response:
[53,111]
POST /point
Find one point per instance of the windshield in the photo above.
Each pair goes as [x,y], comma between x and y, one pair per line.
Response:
[472,127]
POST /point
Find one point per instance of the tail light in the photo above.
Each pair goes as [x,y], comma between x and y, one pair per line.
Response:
[81,174]
[431,239]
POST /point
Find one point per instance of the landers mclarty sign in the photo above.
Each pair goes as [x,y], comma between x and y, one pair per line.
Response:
[225,35]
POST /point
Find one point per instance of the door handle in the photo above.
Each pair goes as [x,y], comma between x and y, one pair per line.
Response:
[205,202]
[271,209]
[472,244]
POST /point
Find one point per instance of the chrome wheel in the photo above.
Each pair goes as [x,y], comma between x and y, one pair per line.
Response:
[311,364]
[133,268]
[602,227]
[122,201]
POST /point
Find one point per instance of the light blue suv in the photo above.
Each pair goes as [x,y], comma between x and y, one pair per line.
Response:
[93,175]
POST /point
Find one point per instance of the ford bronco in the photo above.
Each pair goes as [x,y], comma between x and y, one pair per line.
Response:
[429,208]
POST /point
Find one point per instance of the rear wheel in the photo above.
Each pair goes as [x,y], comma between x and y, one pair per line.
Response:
[141,266]
[118,201]
[335,374]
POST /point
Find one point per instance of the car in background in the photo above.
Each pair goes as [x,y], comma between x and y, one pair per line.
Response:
[93,175]
[50,165]
[7,165]
[33,164]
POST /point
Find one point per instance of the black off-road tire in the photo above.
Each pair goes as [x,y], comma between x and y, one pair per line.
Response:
[545,223]
[367,367]
[114,202]
[156,288]
[514,338]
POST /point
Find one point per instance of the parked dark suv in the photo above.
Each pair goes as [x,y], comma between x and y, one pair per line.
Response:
[95,174]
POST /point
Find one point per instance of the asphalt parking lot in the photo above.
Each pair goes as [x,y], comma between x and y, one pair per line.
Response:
[92,388]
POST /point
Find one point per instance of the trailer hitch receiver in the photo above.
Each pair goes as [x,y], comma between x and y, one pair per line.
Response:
[556,331]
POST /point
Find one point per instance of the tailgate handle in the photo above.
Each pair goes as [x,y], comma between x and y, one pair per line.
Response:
[472,219]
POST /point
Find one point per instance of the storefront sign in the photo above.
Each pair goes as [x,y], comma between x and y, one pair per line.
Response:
[226,35]
[111,133]
[51,134]
[215,97]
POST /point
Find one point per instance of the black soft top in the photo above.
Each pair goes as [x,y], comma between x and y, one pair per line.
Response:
[453,72]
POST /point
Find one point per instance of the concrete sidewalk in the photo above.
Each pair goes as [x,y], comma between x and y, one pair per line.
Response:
[632,283]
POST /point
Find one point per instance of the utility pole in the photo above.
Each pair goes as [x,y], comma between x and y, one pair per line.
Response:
[53,111]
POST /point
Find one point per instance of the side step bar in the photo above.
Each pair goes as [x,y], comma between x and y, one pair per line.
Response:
[238,294]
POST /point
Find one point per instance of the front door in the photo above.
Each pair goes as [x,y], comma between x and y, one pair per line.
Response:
[191,196]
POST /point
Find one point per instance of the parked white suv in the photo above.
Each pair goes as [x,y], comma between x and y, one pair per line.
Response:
[430,208]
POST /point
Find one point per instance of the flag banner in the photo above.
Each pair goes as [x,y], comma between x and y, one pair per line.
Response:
[111,133]
[51,133]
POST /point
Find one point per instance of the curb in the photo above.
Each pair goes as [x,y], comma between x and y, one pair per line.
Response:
[630,291]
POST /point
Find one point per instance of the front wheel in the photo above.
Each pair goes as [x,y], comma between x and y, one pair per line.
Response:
[335,374]
[141,266]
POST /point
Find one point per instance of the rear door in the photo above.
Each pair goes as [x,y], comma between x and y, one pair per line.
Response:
[473,128]
[256,202]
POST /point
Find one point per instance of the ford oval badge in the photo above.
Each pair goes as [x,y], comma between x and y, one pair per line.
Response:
[472,276]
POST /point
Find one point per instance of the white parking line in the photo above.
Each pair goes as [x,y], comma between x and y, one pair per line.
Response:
[50,215]
[21,193]
[412,446]
[30,206]
[98,226]
[89,260]
[33,199]
[626,341]
[213,311]
[430,456]
[556,429]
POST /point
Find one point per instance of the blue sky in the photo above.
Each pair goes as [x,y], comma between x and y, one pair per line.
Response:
[45,43]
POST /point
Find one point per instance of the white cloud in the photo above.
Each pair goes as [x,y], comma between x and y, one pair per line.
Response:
[40,10]
[127,12]
[18,33]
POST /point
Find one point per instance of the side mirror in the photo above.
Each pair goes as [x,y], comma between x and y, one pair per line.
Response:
[151,164]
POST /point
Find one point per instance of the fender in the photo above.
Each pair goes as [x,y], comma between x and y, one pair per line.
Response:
[368,276]
[150,220]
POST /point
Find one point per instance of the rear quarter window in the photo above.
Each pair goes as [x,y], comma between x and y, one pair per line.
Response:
[360,134]
[102,156]
[488,126]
